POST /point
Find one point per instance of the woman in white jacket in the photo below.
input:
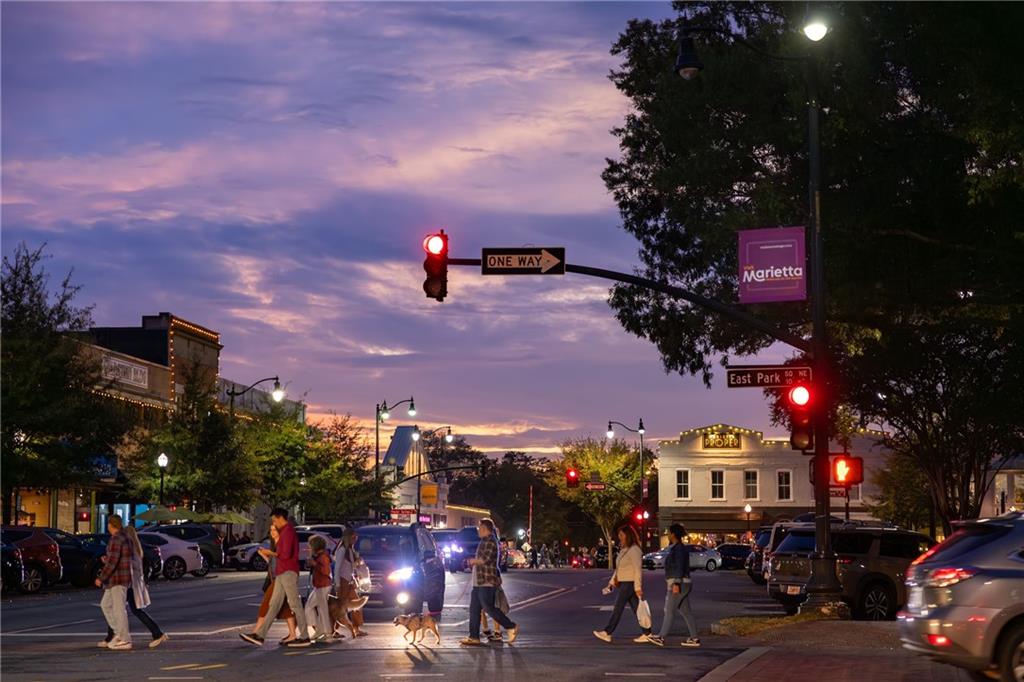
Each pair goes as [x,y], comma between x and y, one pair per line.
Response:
[628,581]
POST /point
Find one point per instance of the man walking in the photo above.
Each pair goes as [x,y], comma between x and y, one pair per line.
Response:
[679,588]
[486,581]
[115,579]
[286,583]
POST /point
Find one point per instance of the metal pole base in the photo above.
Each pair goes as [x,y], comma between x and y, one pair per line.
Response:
[824,593]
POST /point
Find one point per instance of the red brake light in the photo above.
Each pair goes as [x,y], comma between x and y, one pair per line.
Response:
[845,560]
[938,640]
[945,577]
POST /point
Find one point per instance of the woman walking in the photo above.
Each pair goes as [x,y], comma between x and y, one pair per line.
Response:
[679,587]
[138,593]
[628,580]
[317,612]
[346,560]
[285,612]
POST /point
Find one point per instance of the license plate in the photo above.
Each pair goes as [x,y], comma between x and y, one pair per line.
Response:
[793,589]
[916,598]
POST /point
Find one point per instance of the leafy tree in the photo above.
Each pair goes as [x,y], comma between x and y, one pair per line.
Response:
[54,422]
[903,493]
[441,454]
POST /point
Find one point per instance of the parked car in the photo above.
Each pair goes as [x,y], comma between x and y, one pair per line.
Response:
[180,557]
[700,558]
[734,554]
[966,599]
[246,557]
[332,530]
[13,573]
[405,567]
[655,560]
[152,562]
[447,542]
[40,556]
[82,562]
[755,560]
[211,544]
[517,559]
[871,566]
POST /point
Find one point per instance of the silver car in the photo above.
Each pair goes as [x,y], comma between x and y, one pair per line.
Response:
[700,557]
[965,603]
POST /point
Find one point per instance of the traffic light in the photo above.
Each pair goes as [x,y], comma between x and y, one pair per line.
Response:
[798,401]
[572,478]
[640,515]
[847,470]
[435,286]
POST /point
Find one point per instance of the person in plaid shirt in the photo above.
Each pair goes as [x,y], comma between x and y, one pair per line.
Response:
[115,579]
[486,581]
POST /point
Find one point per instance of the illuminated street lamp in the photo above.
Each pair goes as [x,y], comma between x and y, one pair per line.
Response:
[161,462]
[747,508]
[643,479]
[277,393]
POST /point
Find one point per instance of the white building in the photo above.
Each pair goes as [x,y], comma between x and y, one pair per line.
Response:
[708,476]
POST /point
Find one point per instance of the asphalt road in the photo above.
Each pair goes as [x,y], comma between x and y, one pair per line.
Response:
[53,636]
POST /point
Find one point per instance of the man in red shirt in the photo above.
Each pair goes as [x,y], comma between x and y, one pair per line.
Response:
[115,579]
[286,583]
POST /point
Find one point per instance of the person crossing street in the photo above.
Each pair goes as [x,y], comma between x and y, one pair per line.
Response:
[628,581]
[116,578]
[486,580]
[679,589]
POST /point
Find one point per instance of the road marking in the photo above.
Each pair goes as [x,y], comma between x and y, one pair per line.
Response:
[212,666]
[319,653]
[532,601]
[634,674]
[391,676]
[242,596]
[50,627]
[602,607]
[727,670]
[294,653]
[181,667]
[196,677]
[222,630]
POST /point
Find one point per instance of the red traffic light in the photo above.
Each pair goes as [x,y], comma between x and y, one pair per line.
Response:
[436,244]
[572,478]
[847,470]
[799,396]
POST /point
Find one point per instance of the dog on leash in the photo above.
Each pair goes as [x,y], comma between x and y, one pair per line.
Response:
[338,610]
[420,623]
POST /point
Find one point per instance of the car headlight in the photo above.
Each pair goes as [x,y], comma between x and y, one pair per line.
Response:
[400,575]
[456,548]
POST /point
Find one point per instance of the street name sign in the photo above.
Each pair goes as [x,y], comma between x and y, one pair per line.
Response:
[766,376]
[594,486]
[834,491]
[523,261]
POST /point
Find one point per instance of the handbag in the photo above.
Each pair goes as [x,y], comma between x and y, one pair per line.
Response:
[362,576]
[643,614]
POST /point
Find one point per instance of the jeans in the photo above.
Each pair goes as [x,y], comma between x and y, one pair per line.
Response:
[143,617]
[625,595]
[286,586]
[116,611]
[484,599]
[317,612]
[678,602]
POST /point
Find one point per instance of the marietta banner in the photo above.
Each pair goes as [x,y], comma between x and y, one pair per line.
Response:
[773,265]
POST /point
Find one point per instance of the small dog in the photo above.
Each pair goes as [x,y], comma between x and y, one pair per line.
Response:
[418,623]
[339,609]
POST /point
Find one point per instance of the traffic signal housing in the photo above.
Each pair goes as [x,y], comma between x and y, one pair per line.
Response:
[847,470]
[798,402]
[435,286]
[640,515]
[572,478]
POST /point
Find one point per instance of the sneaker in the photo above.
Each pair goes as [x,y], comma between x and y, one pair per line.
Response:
[642,639]
[602,635]
[656,640]
[513,633]
[158,641]
[690,642]
[319,638]
[118,645]
[251,638]
[470,641]
[495,637]
[300,643]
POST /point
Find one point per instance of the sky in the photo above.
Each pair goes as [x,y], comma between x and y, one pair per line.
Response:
[270,170]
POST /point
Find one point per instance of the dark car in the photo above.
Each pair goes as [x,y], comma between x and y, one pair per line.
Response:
[82,562]
[39,554]
[871,565]
[734,554]
[755,560]
[211,545]
[152,561]
[13,573]
[452,551]
[405,567]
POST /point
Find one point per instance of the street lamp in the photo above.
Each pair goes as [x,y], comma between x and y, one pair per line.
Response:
[277,394]
[383,413]
[823,584]
[639,430]
[161,462]
[747,508]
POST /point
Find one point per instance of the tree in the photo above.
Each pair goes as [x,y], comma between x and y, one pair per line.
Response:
[55,423]
[903,493]
[441,454]
[922,195]
[617,464]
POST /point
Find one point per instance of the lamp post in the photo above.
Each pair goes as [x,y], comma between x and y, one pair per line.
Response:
[382,414]
[161,462]
[277,394]
[416,436]
[643,497]
[747,508]
[823,584]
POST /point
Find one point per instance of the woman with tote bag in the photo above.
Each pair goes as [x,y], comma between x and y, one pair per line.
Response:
[628,581]
[138,593]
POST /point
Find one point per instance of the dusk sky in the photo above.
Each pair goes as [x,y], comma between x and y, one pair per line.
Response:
[269,171]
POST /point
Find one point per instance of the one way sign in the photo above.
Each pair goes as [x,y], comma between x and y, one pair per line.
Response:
[523,261]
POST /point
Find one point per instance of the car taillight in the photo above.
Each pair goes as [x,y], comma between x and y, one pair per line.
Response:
[938,640]
[845,560]
[945,577]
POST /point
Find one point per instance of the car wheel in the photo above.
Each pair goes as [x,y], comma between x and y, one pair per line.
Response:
[877,602]
[174,568]
[710,565]
[203,569]
[258,563]
[1010,656]
[34,580]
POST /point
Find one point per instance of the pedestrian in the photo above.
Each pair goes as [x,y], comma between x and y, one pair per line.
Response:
[138,593]
[533,557]
[115,578]
[486,580]
[679,586]
[284,613]
[545,560]
[628,581]
[317,613]
[286,583]
[346,562]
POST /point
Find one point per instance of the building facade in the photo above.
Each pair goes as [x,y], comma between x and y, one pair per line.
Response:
[710,474]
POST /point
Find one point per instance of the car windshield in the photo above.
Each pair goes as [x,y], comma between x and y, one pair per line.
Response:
[387,543]
[797,542]
[445,536]
[967,539]
[468,535]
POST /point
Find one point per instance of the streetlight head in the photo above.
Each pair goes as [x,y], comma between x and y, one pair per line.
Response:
[412,408]
[815,30]
[610,434]
[640,428]
[278,393]
[384,415]
[161,461]
[747,508]
[688,64]
[448,437]
[416,433]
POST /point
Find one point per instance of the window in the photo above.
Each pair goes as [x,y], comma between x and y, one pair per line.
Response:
[903,546]
[750,485]
[785,482]
[682,484]
[718,484]
[852,543]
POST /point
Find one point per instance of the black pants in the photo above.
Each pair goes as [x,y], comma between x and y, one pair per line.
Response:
[154,629]
[625,595]
[483,599]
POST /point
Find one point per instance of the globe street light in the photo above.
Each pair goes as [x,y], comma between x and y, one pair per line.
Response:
[382,414]
[641,431]
[815,30]
[277,393]
[747,508]
[161,462]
